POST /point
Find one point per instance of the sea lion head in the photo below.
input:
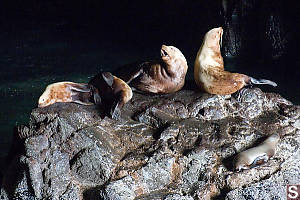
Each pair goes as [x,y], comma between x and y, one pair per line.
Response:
[45,99]
[273,139]
[173,56]
[213,38]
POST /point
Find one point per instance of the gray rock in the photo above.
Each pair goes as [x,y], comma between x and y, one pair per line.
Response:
[176,146]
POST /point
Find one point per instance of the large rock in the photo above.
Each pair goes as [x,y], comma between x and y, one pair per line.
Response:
[176,146]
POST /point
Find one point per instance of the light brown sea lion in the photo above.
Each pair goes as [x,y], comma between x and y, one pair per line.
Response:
[104,89]
[66,92]
[257,155]
[164,76]
[111,92]
[209,72]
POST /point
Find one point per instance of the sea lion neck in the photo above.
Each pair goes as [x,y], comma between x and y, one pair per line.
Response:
[210,57]
[175,66]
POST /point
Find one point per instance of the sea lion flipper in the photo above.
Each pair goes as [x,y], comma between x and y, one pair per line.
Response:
[262,81]
[135,75]
[80,96]
[97,98]
[117,106]
[80,87]
[260,160]
[83,103]
[108,78]
[116,111]
[95,95]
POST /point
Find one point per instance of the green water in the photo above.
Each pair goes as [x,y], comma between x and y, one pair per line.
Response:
[31,60]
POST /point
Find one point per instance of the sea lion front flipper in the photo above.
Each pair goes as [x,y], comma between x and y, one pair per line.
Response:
[260,160]
[117,106]
[95,95]
[97,99]
[108,78]
[135,75]
[116,112]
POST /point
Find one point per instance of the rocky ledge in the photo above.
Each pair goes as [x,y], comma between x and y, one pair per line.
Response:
[178,146]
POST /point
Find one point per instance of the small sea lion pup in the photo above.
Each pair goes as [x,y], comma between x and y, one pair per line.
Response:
[111,92]
[209,72]
[257,155]
[66,92]
[164,76]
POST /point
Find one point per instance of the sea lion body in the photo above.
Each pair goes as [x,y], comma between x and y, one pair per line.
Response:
[110,91]
[65,92]
[257,155]
[105,89]
[209,73]
[160,77]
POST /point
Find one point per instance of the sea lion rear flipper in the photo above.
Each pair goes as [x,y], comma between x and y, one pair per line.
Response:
[81,98]
[262,81]
[81,94]
[80,87]
[108,78]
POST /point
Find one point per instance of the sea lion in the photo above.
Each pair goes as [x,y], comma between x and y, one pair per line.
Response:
[164,76]
[209,72]
[110,91]
[65,92]
[257,155]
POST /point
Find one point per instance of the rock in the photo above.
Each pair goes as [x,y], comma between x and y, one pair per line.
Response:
[244,36]
[176,146]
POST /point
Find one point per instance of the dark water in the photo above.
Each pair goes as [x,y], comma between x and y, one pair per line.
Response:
[37,50]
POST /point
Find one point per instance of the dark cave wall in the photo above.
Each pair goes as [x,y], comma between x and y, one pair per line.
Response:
[262,29]
[253,28]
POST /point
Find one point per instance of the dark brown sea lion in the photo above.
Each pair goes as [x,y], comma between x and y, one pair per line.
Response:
[164,76]
[257,155]
[209,72]
[66,92]
[110,91]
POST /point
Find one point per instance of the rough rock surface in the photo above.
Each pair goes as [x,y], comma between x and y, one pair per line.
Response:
[178,146]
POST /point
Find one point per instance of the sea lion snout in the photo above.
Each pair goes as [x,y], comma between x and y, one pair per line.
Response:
[221,36]
[165,52]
